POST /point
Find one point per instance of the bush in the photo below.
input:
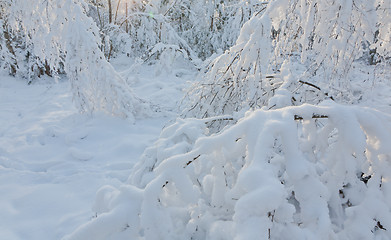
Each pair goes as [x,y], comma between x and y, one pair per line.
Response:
[308,172]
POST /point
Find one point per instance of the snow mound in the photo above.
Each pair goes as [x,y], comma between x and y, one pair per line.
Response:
[306,172]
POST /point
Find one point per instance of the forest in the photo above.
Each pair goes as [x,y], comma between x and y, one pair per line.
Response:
[195,119]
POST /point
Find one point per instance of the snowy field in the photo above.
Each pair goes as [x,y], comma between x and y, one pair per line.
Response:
[53,159]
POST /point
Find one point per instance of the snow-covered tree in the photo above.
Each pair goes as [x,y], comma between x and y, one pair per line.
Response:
[320,38]
[382,39]
[17,55]
[330,35]
[200,27]
[60,33]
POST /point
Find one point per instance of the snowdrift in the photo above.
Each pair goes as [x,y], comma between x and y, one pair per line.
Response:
[306,172]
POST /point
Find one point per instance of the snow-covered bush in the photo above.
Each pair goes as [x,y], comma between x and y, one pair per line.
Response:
[322,39]
[115,41]
[96,85]
[330,36]
[307,172]
[236,79]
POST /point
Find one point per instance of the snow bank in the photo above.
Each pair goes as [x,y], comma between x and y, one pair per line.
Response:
[307,172]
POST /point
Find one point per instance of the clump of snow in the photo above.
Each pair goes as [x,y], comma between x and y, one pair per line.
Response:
[308,172]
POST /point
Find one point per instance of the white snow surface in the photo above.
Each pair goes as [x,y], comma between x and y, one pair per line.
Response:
[64,175]
[53,159]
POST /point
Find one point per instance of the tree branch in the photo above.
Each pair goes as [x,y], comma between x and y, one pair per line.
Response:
[310,84]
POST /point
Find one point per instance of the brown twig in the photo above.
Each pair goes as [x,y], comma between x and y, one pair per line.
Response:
[310,84]
[315,116]
[189,162]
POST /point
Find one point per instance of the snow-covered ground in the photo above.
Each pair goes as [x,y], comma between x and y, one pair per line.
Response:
[53,159]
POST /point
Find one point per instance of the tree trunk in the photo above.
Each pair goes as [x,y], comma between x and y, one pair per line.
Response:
[126,19]
[110,12]
[116,11]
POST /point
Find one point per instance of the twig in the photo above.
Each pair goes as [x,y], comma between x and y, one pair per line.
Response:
[315,116]
[222,118]
[189,162]
[310,84]
[260,11]
[270,76]
[233,60]
[169,9]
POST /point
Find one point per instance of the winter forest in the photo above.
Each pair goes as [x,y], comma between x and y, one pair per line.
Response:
[195,119]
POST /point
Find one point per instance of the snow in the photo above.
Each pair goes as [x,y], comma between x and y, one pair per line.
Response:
[265,176]
[66,175]
[284,135]
[53,159]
